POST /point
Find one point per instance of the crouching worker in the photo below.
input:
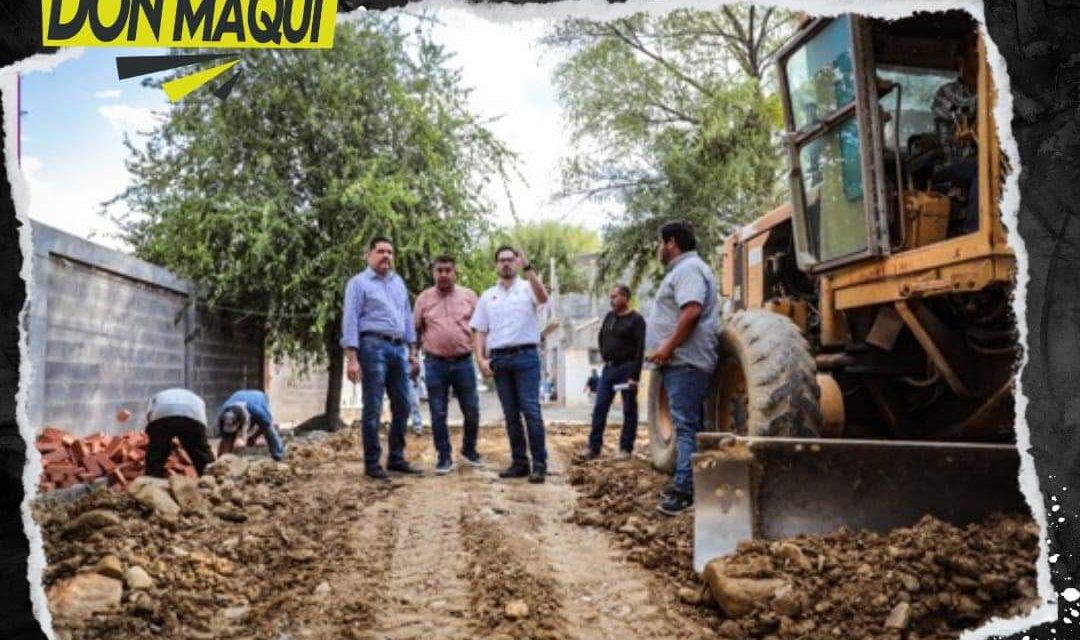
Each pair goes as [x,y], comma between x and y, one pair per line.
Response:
[179,414]
[246,415]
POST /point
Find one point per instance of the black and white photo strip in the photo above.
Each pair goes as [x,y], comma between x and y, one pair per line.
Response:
[510,320]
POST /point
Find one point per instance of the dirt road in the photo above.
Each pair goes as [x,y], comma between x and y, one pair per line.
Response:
[312,549]
[327,553]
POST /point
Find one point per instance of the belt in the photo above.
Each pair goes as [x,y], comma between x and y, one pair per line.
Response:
[382,336]
[505,351]
[447,358]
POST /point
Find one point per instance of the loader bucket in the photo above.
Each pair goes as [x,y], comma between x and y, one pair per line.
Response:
[779,488]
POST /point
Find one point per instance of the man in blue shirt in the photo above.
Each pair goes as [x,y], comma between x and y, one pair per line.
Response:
[245,415]
[379,340]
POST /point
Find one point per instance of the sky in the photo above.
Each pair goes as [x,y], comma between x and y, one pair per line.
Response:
[75,118]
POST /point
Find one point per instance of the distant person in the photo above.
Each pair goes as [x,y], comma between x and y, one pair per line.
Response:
[244,417]
[622,345]
[592,383]
[681,340]
[442,314]
[180,414]
[507,336]
[414,403]
[378,337]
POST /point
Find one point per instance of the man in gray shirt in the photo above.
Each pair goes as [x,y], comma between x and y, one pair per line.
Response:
[176,413]
[681,340]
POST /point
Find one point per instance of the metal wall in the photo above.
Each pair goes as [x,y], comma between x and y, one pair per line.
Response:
[107,331]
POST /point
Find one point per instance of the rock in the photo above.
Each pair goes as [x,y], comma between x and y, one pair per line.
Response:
[790,552]
[739,596]
[235,613]
[155,496]
[910,582]
[899,617]
[137,578]
[787,602]
[516,610]
[227,466]
[81,596]
[110,566]
[185,491]
[689,596]
[995,584]
[91,521]
[207,482]
[143,603]
[323,589]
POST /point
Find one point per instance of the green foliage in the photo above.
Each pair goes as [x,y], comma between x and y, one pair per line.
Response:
[673,121]
[268,200]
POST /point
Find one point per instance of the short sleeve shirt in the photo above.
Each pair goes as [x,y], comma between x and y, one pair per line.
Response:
[508,316]
[688,280]
[176,403]
[442,320]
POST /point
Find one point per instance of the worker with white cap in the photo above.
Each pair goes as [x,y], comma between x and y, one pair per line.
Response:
[180,414]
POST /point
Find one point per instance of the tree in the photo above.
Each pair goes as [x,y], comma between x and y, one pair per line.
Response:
[673,120]
[269,199]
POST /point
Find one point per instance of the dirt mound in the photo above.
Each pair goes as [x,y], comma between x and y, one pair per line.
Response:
[509,596]
[927,582]
[234,564]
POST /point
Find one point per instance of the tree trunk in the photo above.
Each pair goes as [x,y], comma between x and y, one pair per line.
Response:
[336,370]
[330,420]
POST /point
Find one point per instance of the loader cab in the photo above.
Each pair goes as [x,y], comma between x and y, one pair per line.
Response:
[874,168]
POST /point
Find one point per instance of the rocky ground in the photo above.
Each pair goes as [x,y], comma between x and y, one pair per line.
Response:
[930,581]
[311,549]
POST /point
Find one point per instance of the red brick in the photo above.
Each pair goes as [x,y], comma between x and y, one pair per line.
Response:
[118,477]
[52,433]
[60,455]
[45,446]
[78,451]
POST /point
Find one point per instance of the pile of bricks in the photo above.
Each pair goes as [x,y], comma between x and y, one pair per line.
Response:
[68,460]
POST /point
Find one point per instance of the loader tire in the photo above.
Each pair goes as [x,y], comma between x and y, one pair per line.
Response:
[765,378]
[661,428]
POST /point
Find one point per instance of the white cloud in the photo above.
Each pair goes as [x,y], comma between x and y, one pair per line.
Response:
[125,117]
[108,94]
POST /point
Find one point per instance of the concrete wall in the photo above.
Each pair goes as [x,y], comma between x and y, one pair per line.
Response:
[107,330]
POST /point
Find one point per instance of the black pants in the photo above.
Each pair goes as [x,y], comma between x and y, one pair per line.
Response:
[192,436]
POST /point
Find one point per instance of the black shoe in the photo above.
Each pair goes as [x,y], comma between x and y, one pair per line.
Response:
[473,459]
[676,503]
[404,467]
[587,453]
[515,471]
[537,476]
[667,492]
[376,473]
[444,466]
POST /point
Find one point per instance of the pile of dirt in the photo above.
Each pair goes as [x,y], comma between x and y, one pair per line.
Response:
[927,582]
[508,597]
[230,555]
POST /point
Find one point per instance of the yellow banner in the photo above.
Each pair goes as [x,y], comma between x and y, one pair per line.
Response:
[233,24]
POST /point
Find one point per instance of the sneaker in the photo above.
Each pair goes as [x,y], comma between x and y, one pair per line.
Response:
[404,467]
[537,476]
[444,466]
[667,492]
[473,459]
[676,503]
[376,473]
[623,454]
[515,471]
[587,453]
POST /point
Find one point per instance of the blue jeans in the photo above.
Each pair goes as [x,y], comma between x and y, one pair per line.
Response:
[273,442]
[605,394]
[517,380]
[459,374]
[685,387]
[384,367]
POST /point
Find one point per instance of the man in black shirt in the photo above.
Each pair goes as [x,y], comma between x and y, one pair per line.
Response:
[622,345]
